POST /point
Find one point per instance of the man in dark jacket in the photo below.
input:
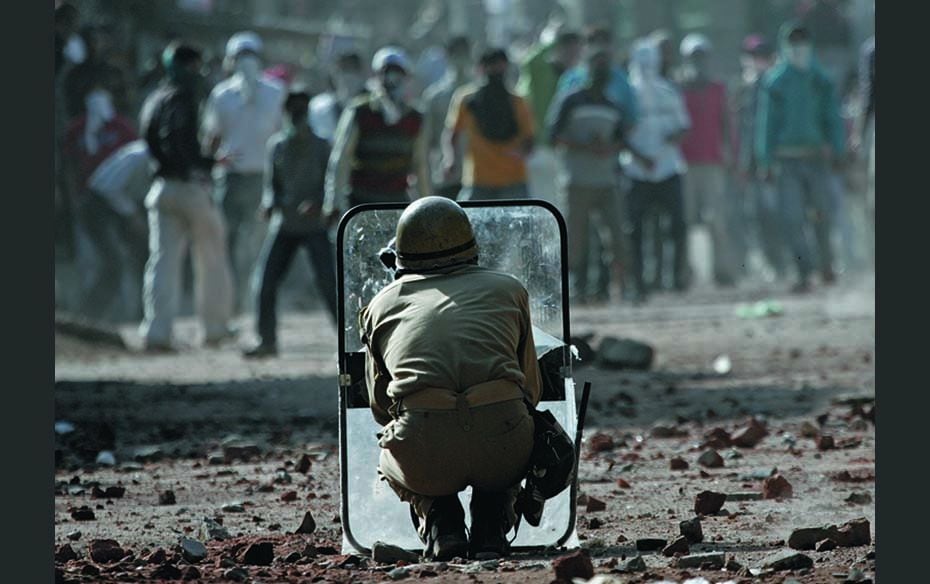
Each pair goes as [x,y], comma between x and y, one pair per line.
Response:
[293,198]
[181,209]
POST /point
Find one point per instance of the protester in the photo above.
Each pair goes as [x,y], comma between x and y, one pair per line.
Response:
[241,114]
[181,209]
[91,71]
[348,81]
[864,140]
[663,122]
[498,127]
[706,150]
[380,142]
[799,137]
[656,228]
[590,128]
[92,138]
[761,198]
[619,91]
[540,73]
[436,100]
[122,181]
[558,50]
[618,88]
[293,199]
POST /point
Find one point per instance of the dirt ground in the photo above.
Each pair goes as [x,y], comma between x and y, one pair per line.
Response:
[217,431]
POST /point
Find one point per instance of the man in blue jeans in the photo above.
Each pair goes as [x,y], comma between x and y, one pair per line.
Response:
[799,135]
[293,198]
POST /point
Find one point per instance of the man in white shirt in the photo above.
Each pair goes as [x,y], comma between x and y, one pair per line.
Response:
[662,123]
[241,114]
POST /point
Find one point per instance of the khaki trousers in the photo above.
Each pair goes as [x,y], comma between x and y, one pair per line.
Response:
[182,213]
[434,453]
[583,203]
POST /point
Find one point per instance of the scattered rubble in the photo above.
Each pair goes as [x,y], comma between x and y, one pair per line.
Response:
[751,434]
[105,551]
[710,459]
[787,560]
[575,565]
[192,550]
[691,530]
[650,544]
[258,554]
[776,487]
[210,528]
[708,502]
[594,505]
[65,553]
[704,561]
[678,463]
[679,546]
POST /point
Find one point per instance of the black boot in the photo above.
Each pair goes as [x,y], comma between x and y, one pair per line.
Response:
[489,523]
[445,530]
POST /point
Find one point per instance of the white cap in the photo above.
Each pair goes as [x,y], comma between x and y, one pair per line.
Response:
[693,42]
[243,41]
[390,56]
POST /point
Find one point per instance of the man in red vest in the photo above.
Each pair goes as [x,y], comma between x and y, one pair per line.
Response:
[380,142]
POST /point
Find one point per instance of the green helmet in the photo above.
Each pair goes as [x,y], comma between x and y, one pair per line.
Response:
[434,232]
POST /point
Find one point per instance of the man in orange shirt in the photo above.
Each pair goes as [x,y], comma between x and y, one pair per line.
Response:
[500,133]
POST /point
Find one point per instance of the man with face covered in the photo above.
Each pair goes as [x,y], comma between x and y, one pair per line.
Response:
[498,127]
[799,140]
[326,108]
[240,115]
[590,128]
[436,100]
[706,150]
[380,142]
[181,210]
[663,122]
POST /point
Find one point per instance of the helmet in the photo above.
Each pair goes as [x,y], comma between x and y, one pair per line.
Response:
[694,42]
[434,232]
[389,56]
[243,41]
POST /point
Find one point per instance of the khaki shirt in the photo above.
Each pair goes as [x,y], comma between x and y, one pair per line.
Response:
[448,330]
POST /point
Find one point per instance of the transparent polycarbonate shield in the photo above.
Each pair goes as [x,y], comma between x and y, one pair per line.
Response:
[525,239]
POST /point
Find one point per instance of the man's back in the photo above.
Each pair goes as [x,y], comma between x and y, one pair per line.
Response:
[451,330]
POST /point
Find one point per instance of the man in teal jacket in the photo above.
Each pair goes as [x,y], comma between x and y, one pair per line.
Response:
[799,135]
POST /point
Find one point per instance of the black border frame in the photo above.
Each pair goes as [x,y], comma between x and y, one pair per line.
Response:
[343,365]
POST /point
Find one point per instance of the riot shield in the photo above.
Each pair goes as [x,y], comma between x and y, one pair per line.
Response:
[523,238]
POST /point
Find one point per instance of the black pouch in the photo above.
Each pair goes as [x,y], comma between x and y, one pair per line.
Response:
[551,466]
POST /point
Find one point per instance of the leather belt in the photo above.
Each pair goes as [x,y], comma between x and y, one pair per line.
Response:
[482,394]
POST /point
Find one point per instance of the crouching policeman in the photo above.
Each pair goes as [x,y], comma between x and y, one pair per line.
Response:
[450,361]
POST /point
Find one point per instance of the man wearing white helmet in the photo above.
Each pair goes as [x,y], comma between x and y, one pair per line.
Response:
[241,114]
[380,142]
[705,148]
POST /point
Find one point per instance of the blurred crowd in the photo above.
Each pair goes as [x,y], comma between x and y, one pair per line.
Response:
[193,187]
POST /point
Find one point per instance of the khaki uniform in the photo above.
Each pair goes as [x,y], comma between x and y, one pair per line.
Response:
[450,358]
